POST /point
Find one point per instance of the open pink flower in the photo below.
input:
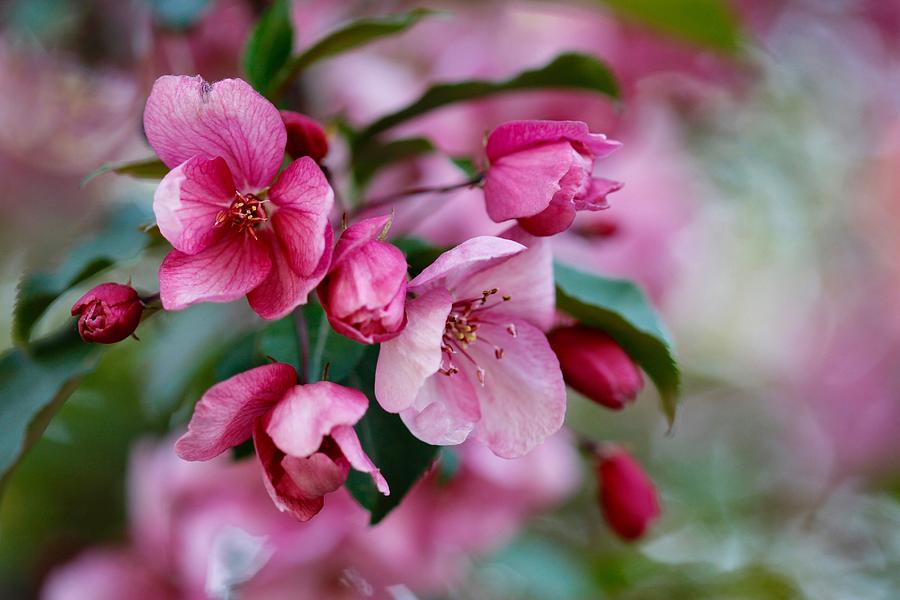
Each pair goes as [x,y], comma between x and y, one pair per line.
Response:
[232,234]
[542,173]
[473,357]
[303,434]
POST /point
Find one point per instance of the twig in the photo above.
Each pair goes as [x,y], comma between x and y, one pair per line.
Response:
[415,191]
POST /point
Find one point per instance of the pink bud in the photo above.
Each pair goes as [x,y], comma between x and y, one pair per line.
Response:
[627,494]
[305,137]
[109,313]
[596,366]
[364,293]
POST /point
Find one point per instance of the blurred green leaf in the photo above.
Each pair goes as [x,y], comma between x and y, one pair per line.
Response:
[402,458]
[34,383]
[149,168]
[269,46]
[375,157]
[350,36]
[326,346]
[710,23]
[120,239]
[621,309]
[419,253]
[568,71]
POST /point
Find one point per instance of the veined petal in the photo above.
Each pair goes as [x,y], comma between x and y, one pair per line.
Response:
[522,184]
[405,362]
[347,440]
[308,413]
[458,264]
[515,136]
[188,200]
[223,272]
[225,414]
[187,116]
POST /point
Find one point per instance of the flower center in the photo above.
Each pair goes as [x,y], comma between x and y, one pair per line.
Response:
[462,330]
[245,214]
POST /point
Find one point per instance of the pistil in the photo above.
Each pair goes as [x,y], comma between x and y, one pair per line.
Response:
[245,213]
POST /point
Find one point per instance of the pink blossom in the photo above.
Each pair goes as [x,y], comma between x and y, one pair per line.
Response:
[303,434]
[109,313]
[365,292]
[305,136]
[473,358]
[232,234]
[542,173]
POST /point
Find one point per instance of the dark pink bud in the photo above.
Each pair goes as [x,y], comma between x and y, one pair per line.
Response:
[364,293]
[305,137]
[109,313]
[596,366]
[627,494]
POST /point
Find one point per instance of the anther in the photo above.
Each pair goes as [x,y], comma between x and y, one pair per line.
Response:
[498,352]
[511,330]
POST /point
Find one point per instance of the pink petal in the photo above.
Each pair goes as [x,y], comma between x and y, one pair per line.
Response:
[188,200]
[445,411]
[595,197]
[556,218]
[281,487]
[187,116]
[308,413]
[515,136]
[221,273]
[458,264]
[347,440]
[405,362]
[315,475]
[359,234]
[284,290]
[225,414]
[522,184]
[523,400]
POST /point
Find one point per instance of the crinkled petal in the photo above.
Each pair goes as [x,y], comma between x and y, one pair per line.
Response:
[284,290]
[523,400]
[595,197]
[515,136]
[458,264]
[405,362]
[281,487]
[187,116]
[522,184]
[223,272]
[188,200]
[225,414]
[347,440]
[445,411]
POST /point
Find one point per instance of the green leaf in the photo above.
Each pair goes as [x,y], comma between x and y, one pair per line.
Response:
[566,71]
[326,346]
[621,309]
[402,458]
[375,157]
[269,46]
[120,239]
[350,36]
[148,168]
[34,383]
[710,23]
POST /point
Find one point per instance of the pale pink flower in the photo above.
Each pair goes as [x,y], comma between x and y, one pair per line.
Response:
[365,292]
[542,173]
[303,434]
[232,234]
[473,358]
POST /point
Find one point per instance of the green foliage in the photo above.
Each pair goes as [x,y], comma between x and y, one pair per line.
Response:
[148,168]
[269,46]
[566,71]
[120,239]
[709,23]
[375,157]
[178,14]
[621,309]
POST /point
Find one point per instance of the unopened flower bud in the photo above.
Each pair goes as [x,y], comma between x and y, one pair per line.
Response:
[305,137]
[364,293]
[109,313]
[627,495]
[596,366]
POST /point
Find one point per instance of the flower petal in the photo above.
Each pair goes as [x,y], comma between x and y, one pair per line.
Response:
[347,440]
[405,362]
[308,413]
[522,184]
[187,116]
[515,136]
[458,264]
[445,411]
[281,487]
[188,200]
[595,198]
[225,414]
[224,272]
[315,475]
[523,400]
[556,218]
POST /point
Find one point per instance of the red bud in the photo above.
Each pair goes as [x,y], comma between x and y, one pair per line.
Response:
[596,366]
[627,494]
[109,313]
[305,137]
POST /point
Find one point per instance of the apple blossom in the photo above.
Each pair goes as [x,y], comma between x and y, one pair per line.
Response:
[627,494]
[305,136]
[542,173]
[303,434]
[109,313]
[233,234]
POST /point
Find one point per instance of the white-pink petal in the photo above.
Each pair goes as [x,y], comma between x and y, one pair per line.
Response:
[458,264]
[347,440]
